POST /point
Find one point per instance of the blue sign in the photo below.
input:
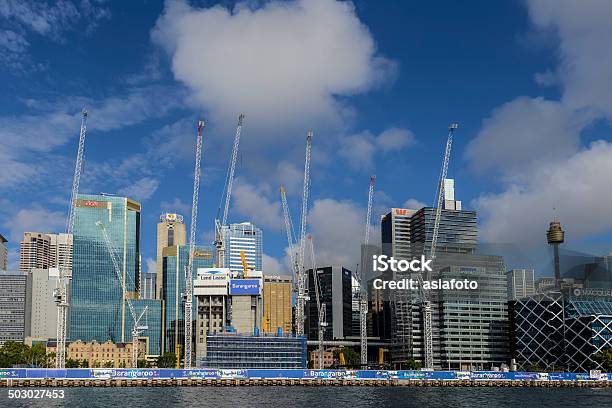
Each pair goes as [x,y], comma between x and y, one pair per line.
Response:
[245,287]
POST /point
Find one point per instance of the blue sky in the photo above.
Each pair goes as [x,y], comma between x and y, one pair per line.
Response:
[378,82]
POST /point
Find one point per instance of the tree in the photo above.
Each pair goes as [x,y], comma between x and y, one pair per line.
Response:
[13,353]
[70,363]
[534,368]
[108,364]
[85,363]
[604,358]
[412,364]
[143,363]
[166,360]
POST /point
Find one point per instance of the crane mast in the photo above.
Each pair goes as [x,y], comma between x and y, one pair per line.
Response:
[321,308]
[137,328]
[302,296]
[61,292]
[289,231]
[425,302]
[219,224]
[189,267]
[363,294]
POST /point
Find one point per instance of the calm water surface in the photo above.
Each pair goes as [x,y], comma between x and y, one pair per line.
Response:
[319,397]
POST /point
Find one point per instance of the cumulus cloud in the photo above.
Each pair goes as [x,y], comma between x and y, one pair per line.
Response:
[141,190]
[338,228]
[271,266]
[535,143]
[151,265]
[413,204]
[34,218]
[284,64]
[359,149]
[523,133]
[584,32]
[580,190]
[253,202]
[176,206]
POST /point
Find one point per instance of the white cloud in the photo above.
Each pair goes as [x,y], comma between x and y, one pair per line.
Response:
[535,143]
[141,190]
[271,266]
[34,218]
[584,32]
[359,149]
[253,202]
[284,64]
[50,21]
[413,204]
[523,133]
[176,206]
[580,189]
[338,229]
[151,265]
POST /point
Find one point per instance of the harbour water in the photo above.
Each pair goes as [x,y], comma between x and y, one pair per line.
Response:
[317,397]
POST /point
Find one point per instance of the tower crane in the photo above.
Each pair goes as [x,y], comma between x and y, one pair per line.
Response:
[137,327]
[219,224]
[363,294]
[321,308]
[424,294]
[188,297]
[302,295]
[60,294]
[290,235]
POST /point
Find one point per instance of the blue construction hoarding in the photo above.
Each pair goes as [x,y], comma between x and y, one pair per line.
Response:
[154,373]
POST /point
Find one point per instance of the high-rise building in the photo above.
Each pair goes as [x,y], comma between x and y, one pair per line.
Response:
[469,327]
[41,310]
[521,283]
[277,300]
[243,237]
[98,307]
[43,251]
[3,253]
[149,285]
[12,306]
[335,286]
[174,260]
[171,231]
[35,251]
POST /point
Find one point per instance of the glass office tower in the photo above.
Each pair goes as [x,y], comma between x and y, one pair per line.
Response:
[174,259]
[243,237]
[98,310]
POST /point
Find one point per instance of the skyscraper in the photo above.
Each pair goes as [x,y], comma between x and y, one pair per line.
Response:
[170,231]
[174,259]
[521,283]
[242,237]
[44,250]
[3,253]
[479,318]
[99,310]
[335,286]
[277,301]
[12,306]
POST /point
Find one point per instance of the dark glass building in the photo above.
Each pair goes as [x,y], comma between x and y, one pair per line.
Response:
[336,294]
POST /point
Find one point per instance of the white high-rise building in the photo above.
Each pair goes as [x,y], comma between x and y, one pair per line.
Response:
[40,310]
[44,251]
[242,237]
[520,283]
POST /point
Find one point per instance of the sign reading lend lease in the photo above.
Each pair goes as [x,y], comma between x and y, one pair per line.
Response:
[245,287]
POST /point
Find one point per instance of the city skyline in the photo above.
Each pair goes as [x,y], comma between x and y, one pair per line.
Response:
[387,118]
